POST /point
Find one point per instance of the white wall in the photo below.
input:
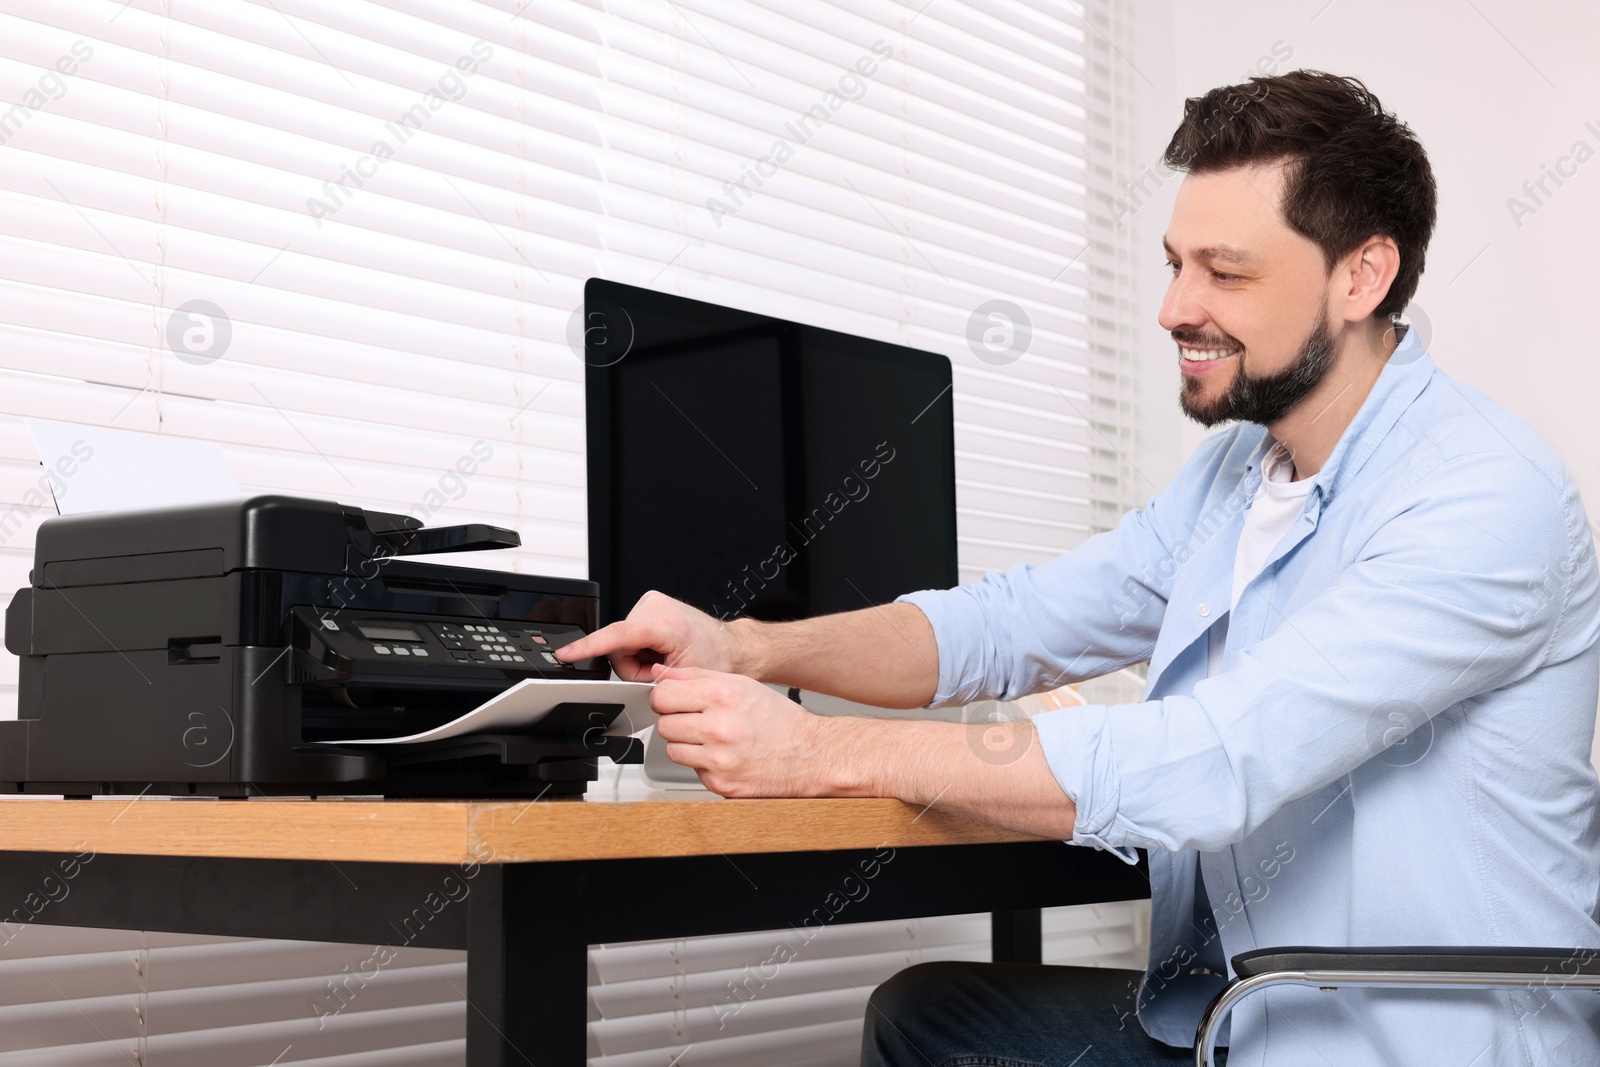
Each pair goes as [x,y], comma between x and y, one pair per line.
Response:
[1494,97]
[1496,91]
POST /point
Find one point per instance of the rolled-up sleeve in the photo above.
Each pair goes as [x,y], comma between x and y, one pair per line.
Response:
[1483,573]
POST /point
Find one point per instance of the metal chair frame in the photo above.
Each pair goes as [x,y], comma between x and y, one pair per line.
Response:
[1329,969]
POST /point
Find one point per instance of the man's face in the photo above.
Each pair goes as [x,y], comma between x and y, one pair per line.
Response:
[1248,299]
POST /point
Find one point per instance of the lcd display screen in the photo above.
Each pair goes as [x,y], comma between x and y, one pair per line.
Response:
[375,631]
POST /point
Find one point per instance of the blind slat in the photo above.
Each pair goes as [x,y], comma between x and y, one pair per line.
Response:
[382,327]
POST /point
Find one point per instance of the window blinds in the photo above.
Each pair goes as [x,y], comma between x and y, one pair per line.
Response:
[395,205]
[347,242]
[95,998]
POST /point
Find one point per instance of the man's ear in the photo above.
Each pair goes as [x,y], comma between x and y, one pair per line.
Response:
[1371,271]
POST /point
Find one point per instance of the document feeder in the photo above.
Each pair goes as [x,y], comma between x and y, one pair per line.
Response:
[206,649]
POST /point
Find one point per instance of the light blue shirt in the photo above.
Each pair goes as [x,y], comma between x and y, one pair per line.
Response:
[1396,750]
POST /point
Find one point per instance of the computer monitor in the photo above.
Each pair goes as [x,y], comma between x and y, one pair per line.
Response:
[757,467]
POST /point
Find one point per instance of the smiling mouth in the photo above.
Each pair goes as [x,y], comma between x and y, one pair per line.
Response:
[1206,355]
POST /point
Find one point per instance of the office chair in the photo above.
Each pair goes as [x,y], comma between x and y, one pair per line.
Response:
[1417,968]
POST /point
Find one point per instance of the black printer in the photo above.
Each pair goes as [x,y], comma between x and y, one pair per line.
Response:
[209,649]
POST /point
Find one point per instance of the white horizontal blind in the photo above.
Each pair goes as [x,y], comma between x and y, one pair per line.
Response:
[727,1002]
[387,311]
[937,184]
[95,998]
[98,998]
[394,206]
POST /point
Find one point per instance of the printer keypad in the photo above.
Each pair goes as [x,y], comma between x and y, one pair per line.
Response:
[455,638]
[483,642]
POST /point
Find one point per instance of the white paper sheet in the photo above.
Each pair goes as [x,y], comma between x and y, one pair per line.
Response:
[529,701]
[92,468]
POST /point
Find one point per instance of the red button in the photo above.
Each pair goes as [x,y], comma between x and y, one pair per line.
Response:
[540,641]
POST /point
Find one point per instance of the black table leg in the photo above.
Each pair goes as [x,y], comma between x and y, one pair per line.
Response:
[1016,936]
[527,966]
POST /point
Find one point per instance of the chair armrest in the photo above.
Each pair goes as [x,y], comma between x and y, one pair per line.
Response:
[1478,959]
[1417,967]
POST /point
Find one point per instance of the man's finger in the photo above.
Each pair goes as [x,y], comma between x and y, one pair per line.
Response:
[602,642]
[682,729]
[626,636]
[630,669]
[678,695]
[688,755]
[661,671]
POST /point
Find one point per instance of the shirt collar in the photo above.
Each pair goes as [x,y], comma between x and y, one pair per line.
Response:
[1408,369]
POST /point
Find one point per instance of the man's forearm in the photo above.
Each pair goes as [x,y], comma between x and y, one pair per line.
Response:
[885,656]
[995,773]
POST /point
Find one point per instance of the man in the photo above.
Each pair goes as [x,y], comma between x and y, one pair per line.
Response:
[1371,611]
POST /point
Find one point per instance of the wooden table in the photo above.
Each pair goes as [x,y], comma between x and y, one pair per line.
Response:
[525,888]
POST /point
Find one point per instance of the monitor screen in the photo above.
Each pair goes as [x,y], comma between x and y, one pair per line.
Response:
[757,467]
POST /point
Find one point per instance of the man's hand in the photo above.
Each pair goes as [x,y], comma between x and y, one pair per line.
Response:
[660,630]
[743,738]
[746,740]
[883,655]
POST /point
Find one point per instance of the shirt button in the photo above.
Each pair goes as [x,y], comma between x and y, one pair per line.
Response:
[1204,610]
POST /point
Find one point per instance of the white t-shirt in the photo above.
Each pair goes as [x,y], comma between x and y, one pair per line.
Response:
[1277,505]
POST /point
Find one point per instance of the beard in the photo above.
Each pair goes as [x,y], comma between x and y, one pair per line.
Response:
[1267,398]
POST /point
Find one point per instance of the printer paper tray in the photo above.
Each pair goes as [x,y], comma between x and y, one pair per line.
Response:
[526,704]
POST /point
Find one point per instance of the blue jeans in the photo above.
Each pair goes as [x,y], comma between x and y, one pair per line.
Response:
[1009,1015]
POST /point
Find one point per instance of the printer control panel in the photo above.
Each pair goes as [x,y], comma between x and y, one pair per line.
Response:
[446,642]
[505,642]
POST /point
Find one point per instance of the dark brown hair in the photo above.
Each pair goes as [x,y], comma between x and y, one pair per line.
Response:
[1355,170]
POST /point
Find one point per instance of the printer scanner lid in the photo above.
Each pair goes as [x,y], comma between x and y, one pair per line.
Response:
[267,532]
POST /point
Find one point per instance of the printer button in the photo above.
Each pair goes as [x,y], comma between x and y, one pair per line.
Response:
[382,650]
[526,646]
[329,624]
[461,655]
[401,650]
[478,656]
[419,652]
